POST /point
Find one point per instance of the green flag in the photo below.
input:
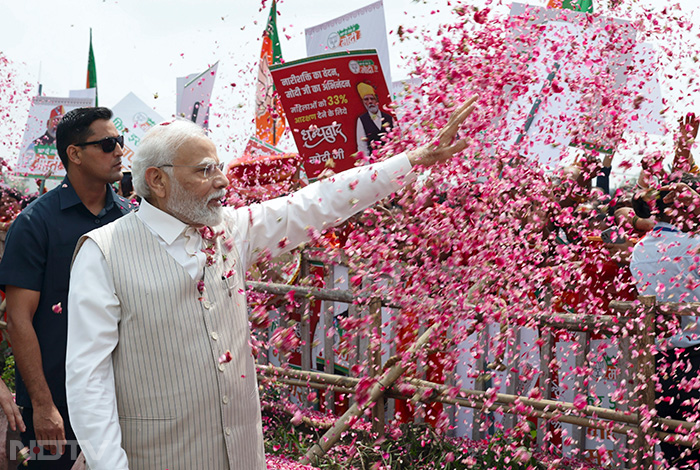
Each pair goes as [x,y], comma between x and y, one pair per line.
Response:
[271,32]
[91,81]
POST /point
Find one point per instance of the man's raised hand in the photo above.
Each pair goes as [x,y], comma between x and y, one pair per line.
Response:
[446,147]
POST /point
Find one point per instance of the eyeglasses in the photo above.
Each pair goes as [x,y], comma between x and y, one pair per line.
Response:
[209,170]
[108,143]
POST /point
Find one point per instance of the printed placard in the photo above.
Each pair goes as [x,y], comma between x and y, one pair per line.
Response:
[38,155]
[132,117]
[336,105]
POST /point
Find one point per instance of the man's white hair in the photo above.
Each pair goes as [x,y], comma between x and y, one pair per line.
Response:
[158,147]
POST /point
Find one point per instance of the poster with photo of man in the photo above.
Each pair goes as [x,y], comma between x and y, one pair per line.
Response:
[373,125]
[38,156]
[336,106]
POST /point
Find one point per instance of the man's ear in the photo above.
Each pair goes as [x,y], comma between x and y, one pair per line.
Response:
[157,181]
[74,155]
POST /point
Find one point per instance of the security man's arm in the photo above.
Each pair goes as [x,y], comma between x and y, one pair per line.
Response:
[48,424]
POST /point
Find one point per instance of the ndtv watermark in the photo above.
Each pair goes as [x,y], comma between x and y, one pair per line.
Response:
[21,453]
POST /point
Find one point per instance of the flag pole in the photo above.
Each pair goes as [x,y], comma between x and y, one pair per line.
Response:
[40,85]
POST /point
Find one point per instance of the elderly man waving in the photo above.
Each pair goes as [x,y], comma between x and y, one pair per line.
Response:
[159,368]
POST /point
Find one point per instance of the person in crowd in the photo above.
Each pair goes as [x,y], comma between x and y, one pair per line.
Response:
[126,186]
[10,408]
[603,179]
[154,400]
[10,204]
[664,264]
[35,269]
[683,160]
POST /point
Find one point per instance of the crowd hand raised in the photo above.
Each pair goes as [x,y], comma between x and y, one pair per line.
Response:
[7,401]
[446,147]
[684,195]
[48,427]
[687,134]
[607,160]
[689,128]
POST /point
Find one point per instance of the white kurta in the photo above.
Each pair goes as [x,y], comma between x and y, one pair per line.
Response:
[96,310]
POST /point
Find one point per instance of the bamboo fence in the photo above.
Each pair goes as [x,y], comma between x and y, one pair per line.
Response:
[636,319]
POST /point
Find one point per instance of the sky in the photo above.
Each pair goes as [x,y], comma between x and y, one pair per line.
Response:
[141,46]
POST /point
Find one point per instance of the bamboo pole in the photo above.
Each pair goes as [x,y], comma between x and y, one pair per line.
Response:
[663,308]
[302,291]
[305,327]
[647,369]
[479,382]
[328,313]
[546,355]
[573,322]
[580,421]
[316,385]
[339,380]
[500,405]
[3,309]
[445,390]
[376,391]
[583,322]
[375,364]
[583,342]
[537,403]
[555,410]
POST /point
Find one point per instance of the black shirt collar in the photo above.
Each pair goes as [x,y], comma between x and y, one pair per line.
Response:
[69,198]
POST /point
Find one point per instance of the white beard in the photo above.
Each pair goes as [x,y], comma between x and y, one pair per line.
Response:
[191,211]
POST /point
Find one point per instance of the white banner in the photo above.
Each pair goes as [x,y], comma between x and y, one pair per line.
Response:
[86,93]
[599,390]
[133,118]
[38,156]
[194,95]
[360,29]
[553,111]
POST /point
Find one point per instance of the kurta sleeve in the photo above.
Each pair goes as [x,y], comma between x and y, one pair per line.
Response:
[93,320]
[281,224]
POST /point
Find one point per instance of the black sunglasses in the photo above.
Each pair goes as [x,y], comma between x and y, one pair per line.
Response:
[108,143]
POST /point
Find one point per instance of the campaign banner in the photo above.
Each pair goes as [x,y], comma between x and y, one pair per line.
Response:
[38,155]
[336,106]
[132,117]
[194,95]
[258,148]
[360,29]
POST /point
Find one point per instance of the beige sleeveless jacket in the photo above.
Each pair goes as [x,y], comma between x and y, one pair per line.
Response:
[179,407]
